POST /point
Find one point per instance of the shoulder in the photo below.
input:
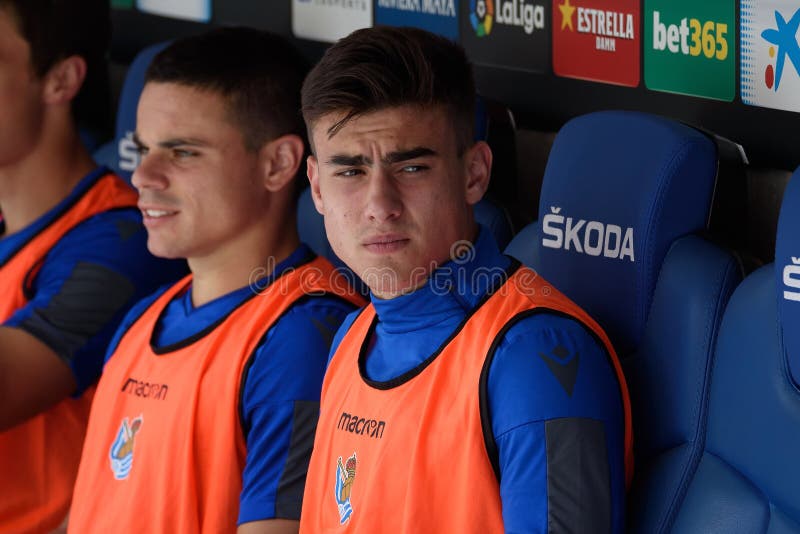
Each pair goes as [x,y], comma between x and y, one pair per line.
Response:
[549,366]
[292,358]
[115,239]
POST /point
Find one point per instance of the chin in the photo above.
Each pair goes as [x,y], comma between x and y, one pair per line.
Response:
[160,251]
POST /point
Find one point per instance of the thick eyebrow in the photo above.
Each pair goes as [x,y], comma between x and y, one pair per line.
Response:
[349,161]
[171,143]
[390,158]
[405,155]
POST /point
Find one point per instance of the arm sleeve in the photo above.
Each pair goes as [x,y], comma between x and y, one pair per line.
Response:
[281,408]
[85,286]
[557,419]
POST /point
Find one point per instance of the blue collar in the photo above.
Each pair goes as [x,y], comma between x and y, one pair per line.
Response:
[452,290]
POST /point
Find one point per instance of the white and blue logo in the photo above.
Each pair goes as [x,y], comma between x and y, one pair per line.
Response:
[121,453]
[435,16]
[791,280]
[345,477]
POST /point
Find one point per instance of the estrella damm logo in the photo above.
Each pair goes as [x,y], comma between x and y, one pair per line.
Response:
[481,16]
[345,477]
[771,53]
[791,279]
[121,452]
[690,47]
[597,40]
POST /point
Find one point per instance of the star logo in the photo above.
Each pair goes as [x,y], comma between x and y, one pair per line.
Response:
[566,15]
[782,36]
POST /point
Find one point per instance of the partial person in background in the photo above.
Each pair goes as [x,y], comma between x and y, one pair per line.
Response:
[73,255]
[205,414]
[469,396]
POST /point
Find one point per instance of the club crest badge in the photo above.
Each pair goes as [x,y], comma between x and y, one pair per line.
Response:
[345,476]
[121,452]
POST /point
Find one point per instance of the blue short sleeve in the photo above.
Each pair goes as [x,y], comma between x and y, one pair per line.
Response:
[281,407]
[85,286]
[557,419]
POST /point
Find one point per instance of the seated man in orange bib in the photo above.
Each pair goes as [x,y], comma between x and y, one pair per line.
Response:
[205,413]
[456,400]
[73,254]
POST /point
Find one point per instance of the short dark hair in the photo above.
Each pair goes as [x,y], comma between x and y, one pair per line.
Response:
[383,67]
[57,29]
[259,75]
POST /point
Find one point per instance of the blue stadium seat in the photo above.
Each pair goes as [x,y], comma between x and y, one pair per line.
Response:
[120,154]
[624,198]
[748,478]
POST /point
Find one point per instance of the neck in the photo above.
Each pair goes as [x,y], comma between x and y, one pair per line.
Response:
[252,255]
[45,176]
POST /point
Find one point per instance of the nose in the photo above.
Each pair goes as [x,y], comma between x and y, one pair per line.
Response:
[384,201]
[149,175]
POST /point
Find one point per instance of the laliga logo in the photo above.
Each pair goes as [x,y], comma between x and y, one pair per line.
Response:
[791,278]
[509,13]
[481,16]
[587,237]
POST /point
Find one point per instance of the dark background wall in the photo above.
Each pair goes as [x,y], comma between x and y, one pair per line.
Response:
[516,68]
[539,100]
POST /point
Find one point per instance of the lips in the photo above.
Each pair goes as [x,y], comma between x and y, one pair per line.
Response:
[385,243]
[156,214]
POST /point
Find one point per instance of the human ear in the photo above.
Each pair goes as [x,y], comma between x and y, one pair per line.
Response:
[478,169]
[64,79]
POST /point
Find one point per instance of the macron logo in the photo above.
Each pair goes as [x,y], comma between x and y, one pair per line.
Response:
[791,279]
[587,237]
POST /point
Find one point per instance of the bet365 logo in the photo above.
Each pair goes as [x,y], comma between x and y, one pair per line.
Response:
[690,47]
[691,37]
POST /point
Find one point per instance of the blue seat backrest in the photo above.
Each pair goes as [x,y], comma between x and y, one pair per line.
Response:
[748,479]
[623,198]
[120,153]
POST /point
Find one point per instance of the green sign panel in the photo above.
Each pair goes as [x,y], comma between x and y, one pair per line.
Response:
[690,47]
[122,4]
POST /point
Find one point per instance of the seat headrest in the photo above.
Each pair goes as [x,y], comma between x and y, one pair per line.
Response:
[126,112]
[787,274]
[618,189]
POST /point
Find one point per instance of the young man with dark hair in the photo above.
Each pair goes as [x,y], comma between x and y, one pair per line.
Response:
[73,255]
[469,396]
[205,414]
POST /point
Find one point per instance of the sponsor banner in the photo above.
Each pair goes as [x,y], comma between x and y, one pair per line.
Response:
[770,39]
[329,20]
[690,47]
[436,16]
[597,40]
[507,33]
[262,15]
[194,10]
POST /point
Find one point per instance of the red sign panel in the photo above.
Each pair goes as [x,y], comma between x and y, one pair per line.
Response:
[597,40]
